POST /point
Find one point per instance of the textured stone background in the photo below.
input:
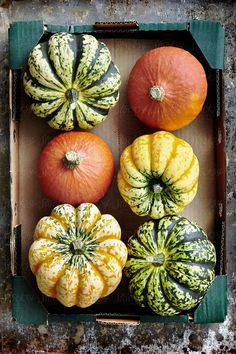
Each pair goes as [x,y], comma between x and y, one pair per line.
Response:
[97,338]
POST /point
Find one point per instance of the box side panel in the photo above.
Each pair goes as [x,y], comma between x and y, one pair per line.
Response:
[210,37]
[71,29]
[27,308]
[117,318]
[56,28]
[221,171]
[23,36]
[181,26]
[14,172]
[213,307]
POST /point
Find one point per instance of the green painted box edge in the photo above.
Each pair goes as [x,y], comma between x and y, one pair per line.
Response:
[213,308]
[209,36]
[27,308]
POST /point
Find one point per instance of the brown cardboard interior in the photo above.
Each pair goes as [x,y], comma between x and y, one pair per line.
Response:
[119,130]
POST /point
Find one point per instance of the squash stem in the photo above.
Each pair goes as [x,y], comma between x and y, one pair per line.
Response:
[77,246]
[157,93]
[157,259]
[71,159]
[157,188]
[72,96]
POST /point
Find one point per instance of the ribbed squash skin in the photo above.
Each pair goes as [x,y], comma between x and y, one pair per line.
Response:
[77,255]
[158,175]
[72,81]
[186,270]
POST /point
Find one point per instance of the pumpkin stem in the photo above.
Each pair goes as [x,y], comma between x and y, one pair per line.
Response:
[157,93]
[72,96]
[157,259]
[71,159]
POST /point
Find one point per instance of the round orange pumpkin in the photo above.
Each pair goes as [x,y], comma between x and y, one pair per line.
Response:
[75,167]
[167,88]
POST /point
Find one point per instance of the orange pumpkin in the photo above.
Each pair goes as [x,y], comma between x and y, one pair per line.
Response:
[167,88]
[75,167]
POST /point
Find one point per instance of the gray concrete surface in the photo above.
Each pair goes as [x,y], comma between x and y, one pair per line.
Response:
[96,338]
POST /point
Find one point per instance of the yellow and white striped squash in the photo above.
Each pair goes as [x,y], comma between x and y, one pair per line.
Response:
[77,255]
[158,175]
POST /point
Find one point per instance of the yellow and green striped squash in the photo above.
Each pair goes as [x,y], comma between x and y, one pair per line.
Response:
[170,265]
[77,254]
[158,175]
[72,81]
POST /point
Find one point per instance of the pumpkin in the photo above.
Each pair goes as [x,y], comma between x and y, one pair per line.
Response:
[158,175]
[77,255]
[75,167]
[72,81]
[167,88]
[171,265]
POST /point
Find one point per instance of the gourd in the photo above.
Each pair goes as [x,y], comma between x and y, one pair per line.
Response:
[158,175]
[167,88]
[170,265]
[77,255]
[72,81]
[75,167]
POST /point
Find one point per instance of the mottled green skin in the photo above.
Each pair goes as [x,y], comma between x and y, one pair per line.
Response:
[77,63]
[180,282]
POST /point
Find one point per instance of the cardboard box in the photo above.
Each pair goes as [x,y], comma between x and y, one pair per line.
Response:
[28,134]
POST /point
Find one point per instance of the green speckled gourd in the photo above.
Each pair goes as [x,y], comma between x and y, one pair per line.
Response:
[72,81]
[170,266]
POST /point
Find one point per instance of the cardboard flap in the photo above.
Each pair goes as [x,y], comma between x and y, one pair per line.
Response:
[58,28]
[23,36]
[177,26]
[26,306]
[213,307]
[70,29]
[210,37]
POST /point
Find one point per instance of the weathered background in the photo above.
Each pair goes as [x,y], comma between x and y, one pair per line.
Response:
[96,338]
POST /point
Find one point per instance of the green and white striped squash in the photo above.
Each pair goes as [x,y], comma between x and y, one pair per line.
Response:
[77,255]
[171,265]
[72,81]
